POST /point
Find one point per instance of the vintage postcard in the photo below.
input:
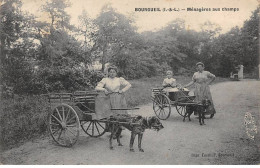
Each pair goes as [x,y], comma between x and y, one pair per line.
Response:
[130,82]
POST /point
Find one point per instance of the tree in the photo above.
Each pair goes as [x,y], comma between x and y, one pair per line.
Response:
[165,45]
[9,32]
[238,46]
[86,27]
[250,42]
[210,29]
[60,54]
[58,17]
[114,33]
[17,46]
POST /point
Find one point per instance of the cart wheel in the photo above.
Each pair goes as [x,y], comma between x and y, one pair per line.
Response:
[162,106]
[93,128]
[64,125]
[181,110]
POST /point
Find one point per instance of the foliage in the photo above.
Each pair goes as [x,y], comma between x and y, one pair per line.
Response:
[60,55]
[113,35]
[10,32]
[250,41]
[94,78]
[21,119]
[164,45]
[53,55]
[119,43]
[238,46]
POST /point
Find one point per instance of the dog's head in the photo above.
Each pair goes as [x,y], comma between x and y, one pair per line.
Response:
[155,123]
[206,102]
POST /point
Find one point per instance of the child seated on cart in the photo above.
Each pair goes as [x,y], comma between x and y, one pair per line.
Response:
[170,85]
[169,81]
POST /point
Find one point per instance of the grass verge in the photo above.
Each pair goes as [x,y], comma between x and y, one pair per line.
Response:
[22,119]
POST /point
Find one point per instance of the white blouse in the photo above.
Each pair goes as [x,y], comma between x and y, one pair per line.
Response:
[113,84]
[170,81]
[202,77]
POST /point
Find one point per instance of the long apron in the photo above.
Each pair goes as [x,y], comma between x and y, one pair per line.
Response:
[104,104]
[117,101]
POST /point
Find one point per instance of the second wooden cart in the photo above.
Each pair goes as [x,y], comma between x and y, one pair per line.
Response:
[163,102]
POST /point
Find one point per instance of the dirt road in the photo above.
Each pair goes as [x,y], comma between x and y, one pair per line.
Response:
[225,139]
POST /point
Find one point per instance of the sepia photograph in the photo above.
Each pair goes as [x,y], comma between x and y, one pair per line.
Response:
[129,82]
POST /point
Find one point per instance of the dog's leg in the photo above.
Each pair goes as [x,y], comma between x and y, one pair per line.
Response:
[188,112]
[140,136]
[184,116]
[119,131]
[198,111]
[132,141]
[200,115]
[200,118]
[107,127]
[203,116]
[111,136]
[189,115]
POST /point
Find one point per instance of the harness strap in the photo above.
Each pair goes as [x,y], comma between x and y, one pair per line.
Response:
[147,124]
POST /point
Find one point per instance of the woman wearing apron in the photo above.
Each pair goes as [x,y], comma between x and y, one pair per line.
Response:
[114,89]
[202,79]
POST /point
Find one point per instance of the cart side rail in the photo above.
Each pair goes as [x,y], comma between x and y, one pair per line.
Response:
[56,98]
[84,93]
[85,101]
[157,90]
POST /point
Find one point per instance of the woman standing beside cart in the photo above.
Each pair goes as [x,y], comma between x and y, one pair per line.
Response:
[202,79]
[114,89]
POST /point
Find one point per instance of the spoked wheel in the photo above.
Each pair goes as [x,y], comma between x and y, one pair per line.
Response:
[162,106]
[181,110]
[64,125]
[93,128]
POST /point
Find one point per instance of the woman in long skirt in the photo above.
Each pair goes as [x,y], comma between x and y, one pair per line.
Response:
[114,88]
[202,79]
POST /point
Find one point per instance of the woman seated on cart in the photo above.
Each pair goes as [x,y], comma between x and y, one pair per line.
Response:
[114,89]
[170,85]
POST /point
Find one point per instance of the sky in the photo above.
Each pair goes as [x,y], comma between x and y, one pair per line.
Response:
[152,21]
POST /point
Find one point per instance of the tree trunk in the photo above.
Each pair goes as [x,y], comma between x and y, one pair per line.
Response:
[103,62]
[103,59]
